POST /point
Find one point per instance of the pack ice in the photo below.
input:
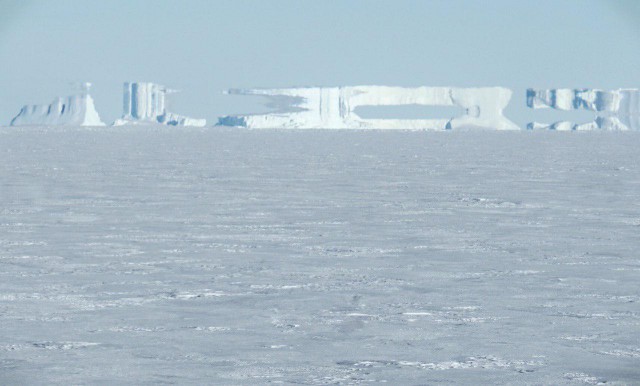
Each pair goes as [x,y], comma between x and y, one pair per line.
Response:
[145,103]
[75,110]
[333,107]
[616,109]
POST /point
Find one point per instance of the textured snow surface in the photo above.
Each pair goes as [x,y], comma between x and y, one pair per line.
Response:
[134,255]
[333,107]
[145,103]
[75,110]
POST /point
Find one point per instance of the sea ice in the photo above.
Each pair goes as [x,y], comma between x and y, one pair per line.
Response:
[318,257]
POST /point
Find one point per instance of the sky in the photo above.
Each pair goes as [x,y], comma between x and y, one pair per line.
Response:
[203,47]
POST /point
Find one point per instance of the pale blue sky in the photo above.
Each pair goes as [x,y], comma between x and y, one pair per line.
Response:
[203,47]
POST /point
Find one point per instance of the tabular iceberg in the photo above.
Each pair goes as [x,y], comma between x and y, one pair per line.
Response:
[617,109]
[145,103]
[75,110]
[333,107]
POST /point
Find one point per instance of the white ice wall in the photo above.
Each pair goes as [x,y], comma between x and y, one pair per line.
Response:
[333,107]
[145,102]
[75,110]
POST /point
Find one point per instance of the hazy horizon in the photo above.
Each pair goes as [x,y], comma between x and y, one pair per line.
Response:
[205,47]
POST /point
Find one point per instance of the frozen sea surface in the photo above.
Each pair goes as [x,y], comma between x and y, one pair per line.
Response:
[221,256]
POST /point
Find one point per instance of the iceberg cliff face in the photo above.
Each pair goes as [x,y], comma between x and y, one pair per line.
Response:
[76,110]
[333,107]
[621,102]
[145,103]
[616,109]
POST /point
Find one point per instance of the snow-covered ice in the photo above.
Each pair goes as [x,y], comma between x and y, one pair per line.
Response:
[145,103]
[135,255]
[75,110]
[334,107]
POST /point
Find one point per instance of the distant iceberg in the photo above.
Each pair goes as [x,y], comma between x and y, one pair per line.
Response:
[333,107]
[616,109]
[610,123]
[145,103]
[75,110]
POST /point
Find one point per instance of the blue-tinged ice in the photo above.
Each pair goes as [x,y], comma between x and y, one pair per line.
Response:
[616,109]
[145,103]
